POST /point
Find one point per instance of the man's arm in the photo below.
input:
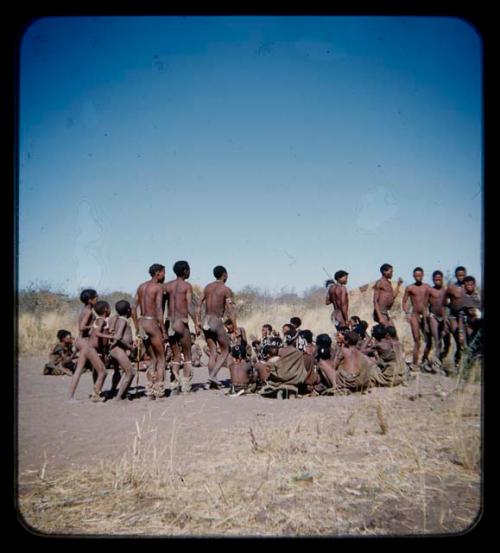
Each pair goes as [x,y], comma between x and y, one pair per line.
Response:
[159,309]
[405,300]
[344,304]
[376,294]
[191,303]
[200,304]
[134,312]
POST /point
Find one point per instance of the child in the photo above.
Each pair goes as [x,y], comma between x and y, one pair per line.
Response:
[122,344]
[241,371]
[62,355]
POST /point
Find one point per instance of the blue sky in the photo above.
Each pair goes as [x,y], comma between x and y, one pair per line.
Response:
[274,146]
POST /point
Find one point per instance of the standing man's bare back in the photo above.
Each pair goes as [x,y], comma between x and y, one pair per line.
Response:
[218,299]
[149,325]
[338,297]
[179,296]
[384,296]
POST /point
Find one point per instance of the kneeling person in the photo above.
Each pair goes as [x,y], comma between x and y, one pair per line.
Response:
[61,356]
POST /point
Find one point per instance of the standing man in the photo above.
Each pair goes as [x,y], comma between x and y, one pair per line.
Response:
[455,293]
[338,297]
[218,298]
[418,294]
[438,322]
[179,297]
[384,296]
[149,326]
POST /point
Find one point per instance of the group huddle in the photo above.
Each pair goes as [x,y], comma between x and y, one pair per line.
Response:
[292,362]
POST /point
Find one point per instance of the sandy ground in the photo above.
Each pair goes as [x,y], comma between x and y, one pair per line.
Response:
[207,425]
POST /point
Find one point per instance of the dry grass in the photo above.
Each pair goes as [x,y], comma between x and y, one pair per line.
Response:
[371,464]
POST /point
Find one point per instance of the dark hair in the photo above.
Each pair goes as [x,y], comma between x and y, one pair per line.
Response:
[155,268]
[180,267]
[122,307]
[379,331]
[255,343]
[351,337]
[307,335]
[356,319]
[87,295]
[100,307]
[328,282]
[385,267]
[268,326]
[340,274]
[361,330]
[219,271]
[364,324]
[436,273]
[239,351]
[391,330]
[460,268]
[418,269]
[228,322]
[296,321]
[323,346]
[268,349]
[61,334]
[290,336]
[290,326]
[342,329]
[470,279]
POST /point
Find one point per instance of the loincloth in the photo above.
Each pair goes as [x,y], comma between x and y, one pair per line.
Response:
[211,323]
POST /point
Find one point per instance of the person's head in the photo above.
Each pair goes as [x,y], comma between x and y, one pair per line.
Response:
[391,332]
[296,322]
[460,273]
[354,320]
[288,326]
[351,338]
[269,351]
[102,308]
[228,323]
[386,270]
[157,271]
[123,308]
[220,273]
[360,329]
[267,329]
[341,277]
[255,344]
[290,336]
[323,346]
[379,332]
[307,335]
[182,269]
[329,282]
[418,274]
[89,297]
[437,279]
[64,336]
[469,284]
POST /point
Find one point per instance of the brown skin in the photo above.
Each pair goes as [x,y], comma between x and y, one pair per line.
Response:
[338,297]
[384,296]
[120,349]
[418,295]
[179,296]
[437,306]
[85,322]
[236,336]
[351,358]
[455,294]
[240,372]
[217,298]
[328,371]
[149,299]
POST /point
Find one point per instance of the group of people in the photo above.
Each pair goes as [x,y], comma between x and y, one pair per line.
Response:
[292,362]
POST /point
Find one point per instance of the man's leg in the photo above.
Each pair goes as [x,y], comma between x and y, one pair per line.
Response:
[224,343]
[185,344]
[81,344]
[100,369]
[415,331]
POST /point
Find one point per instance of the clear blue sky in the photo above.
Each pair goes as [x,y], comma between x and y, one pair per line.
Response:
[274,146]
